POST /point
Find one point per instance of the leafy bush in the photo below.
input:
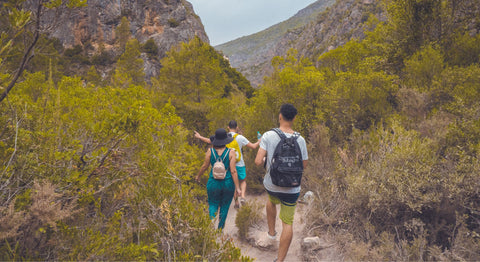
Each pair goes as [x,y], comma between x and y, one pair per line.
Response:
[120,170]
[150,48]
[103,59]
[172,22]
[392,188]
[71,52]
[247,216]
[193,78]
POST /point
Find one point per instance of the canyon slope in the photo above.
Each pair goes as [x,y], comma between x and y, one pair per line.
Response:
[321,26]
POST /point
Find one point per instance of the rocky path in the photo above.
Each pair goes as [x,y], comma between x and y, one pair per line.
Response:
[248,246]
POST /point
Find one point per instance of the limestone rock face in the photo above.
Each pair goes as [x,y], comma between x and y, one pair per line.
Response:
[167,22]
[344,21]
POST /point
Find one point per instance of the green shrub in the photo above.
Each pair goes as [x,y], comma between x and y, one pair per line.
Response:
[393,187]
[247,216]
[76,50]
[172,22]
[102,155]
[150,48]
[102,59]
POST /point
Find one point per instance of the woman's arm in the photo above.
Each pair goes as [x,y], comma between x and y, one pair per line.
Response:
[253,145]
[204,166]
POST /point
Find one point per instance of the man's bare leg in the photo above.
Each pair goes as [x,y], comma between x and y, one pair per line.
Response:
[243,187]
[271,217]
[285,241]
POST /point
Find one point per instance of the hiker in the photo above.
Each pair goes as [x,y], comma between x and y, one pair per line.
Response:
[220,191]
[241,141]
[286,194]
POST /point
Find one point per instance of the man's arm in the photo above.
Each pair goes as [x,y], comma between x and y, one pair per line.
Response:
[202,138]
[305,162]
[253,145]
[260,156]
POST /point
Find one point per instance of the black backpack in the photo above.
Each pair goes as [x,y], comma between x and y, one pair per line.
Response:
[286,168]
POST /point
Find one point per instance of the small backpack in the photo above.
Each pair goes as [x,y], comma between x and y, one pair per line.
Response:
[235,146]
[218,169]
[286,168]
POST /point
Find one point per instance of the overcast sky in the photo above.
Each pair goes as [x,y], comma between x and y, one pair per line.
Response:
[226,20]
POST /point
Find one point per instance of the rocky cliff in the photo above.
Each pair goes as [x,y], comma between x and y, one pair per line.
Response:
[167,22]
[344,21]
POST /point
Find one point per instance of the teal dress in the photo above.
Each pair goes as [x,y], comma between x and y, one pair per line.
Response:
[220,192]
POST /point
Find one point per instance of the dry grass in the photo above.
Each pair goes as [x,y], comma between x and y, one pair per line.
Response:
[346,208]
[34,226]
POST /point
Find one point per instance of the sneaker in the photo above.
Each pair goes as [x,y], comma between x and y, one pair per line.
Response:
[267,241]
[243,201]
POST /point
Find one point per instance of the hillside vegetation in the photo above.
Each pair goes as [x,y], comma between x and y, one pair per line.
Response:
[251,54]
[97,168]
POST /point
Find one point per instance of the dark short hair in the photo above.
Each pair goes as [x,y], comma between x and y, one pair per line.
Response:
[288,111]
[232,124]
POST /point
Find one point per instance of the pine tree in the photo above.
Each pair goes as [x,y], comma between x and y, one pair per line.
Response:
[129,70]
[193,78]
[123,33]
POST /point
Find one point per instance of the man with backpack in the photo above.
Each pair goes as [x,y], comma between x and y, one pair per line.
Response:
[284,153]
[237,144]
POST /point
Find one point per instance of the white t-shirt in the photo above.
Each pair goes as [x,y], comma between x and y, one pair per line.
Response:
[242,141]
[269,142]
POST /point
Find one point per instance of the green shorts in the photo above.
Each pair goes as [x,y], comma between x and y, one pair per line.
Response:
[241,172]
[287,209]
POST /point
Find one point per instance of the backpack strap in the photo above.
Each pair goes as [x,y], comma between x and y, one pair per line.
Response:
[226,152]
[279,133]
[214,153]
[216,156]
[282,135]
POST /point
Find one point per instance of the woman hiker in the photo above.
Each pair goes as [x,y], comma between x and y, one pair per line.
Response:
[241,141]
[220,191]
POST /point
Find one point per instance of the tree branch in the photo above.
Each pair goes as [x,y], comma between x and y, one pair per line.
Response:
[26,55]
[102,161]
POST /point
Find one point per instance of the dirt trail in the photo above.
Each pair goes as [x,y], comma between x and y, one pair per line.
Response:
[249,249]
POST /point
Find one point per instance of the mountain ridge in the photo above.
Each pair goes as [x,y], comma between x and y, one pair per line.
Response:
[327,25]
[256,49]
